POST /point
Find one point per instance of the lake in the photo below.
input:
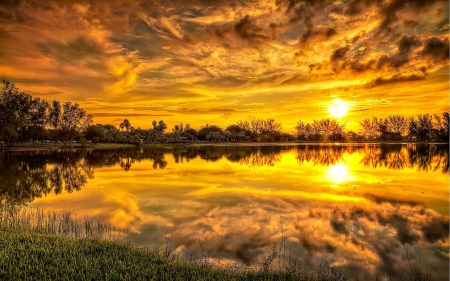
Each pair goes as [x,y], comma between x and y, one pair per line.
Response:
[358,205]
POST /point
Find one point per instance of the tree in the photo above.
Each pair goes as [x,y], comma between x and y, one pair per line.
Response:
[370,127]
[244,125]
[191,133]
[125,125]
[159,128]
[14,107]
[383,128]
[271,126]
[55,114]
[37,119]
[234,129]
[206,130]
[424,126]
[327,128]
[95,131]
[412,128]
[115,134]
[442,126]
[397,124]
[227,135]
[301,130]
[69,119]
[177,132]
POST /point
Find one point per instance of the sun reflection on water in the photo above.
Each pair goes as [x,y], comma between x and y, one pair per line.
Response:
[339,173]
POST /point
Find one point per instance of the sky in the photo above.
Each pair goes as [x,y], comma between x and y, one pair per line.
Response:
[217,62]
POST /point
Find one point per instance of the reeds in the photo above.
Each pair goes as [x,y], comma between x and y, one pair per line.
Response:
[37,220]
[43,245]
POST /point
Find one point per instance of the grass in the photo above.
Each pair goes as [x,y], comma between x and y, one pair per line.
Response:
[35,245]
[31,256]
[39,245]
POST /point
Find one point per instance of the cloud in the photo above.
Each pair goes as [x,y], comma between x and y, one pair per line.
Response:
[393,201]
[74,50]
[339,227]
[313,33]
[390,11]
[247,29]
[436,49]
[394,79]
[402,56]
[339,54]
[224,51]
[436,229]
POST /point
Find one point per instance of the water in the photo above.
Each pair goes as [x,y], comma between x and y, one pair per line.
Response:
[339,202]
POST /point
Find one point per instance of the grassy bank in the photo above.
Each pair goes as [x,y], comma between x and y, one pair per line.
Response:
[38,245]
[32,256]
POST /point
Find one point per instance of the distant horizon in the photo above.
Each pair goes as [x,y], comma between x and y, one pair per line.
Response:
[199,62]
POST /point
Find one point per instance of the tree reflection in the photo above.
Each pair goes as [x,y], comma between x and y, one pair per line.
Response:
[29,175]
[423,157]
[322,155]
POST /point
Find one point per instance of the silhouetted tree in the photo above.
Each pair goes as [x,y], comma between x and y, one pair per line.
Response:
[370,127]
[125,125]
[14,107]
[424,126]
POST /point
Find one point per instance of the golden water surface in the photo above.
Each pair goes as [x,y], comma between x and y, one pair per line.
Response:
[339,202]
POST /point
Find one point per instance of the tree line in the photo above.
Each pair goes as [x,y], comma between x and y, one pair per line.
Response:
[24,119]
[423,127]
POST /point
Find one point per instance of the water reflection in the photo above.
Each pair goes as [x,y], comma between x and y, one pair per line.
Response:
[336,202]
[27,175]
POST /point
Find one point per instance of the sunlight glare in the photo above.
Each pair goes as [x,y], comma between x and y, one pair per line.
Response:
[338,109]
[338,173]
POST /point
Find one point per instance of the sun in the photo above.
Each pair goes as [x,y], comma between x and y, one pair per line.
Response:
[338,109]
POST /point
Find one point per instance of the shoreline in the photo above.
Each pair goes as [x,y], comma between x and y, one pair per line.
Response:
[169,145]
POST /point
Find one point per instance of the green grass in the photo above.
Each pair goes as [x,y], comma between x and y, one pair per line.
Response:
[32,256]
[38,245]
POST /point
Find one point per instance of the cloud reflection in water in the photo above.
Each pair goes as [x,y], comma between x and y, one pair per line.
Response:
[239,199]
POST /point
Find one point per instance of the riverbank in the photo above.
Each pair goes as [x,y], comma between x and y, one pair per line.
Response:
[38,245]
[32,256]
[30,147]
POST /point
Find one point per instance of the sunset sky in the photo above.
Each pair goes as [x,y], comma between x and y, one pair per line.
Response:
[217,62]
